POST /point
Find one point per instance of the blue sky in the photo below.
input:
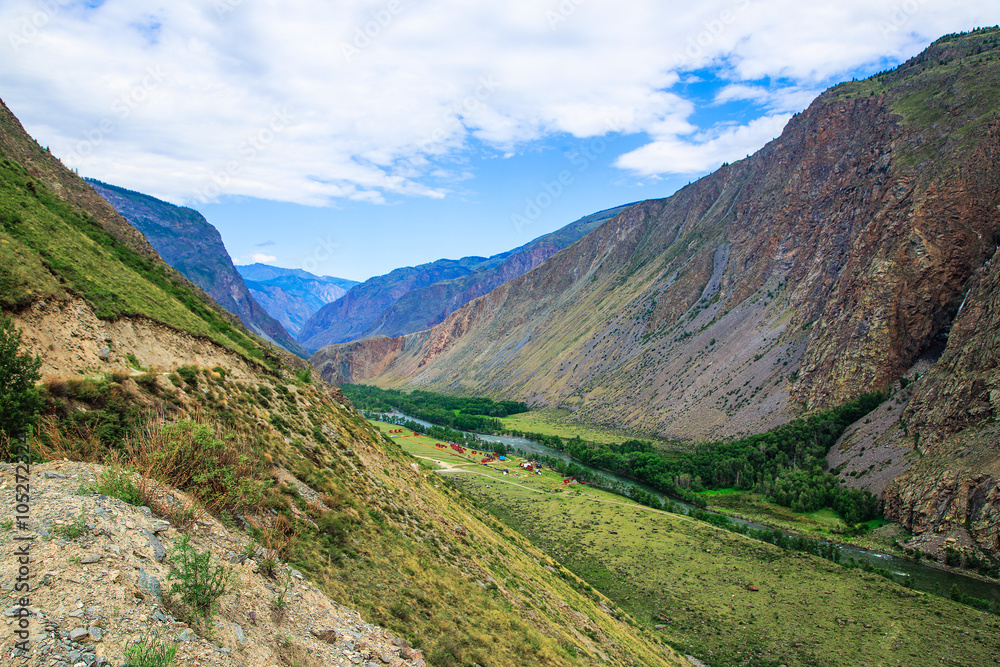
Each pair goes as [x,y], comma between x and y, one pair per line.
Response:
[354,137]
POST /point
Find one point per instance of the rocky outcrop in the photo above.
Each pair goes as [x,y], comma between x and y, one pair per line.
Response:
[947,502]
[359,360]
[186,241]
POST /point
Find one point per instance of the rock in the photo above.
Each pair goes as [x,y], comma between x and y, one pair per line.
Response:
[159,553]
[95,633]
[151,584]
[186,636]
[158,526]
[76,634]
[104,354]
[659,627]
[238,632]
[90,560]
[51,474]
[328,635]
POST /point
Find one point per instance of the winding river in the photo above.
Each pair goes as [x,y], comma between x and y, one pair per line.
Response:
[921,577]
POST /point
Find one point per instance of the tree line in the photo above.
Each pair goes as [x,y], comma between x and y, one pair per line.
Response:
[468,413]
[786,465]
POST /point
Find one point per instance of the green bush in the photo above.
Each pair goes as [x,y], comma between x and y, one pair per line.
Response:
[116,481]
[189,374]
[147,653]
[199,584]
[20,401]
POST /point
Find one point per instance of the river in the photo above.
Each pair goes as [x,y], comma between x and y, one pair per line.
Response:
[920,577]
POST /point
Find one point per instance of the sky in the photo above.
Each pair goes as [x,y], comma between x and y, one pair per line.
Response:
[349,138]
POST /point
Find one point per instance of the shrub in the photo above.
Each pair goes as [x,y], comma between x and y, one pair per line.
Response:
[148,382]
[71,531]
[220,468]
[199,584]
[20,401]
[149,653]
[116,481]
[189,374]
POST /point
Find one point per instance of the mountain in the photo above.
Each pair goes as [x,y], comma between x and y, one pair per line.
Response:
[208,439]
[65,249]
[191,245]
[292,296]
[415,298]
[847,255]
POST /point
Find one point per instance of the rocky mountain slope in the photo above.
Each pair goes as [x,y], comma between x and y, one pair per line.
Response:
[191,245]
[292,296]
[416,298]
[830,263]
[245,452]
[103,587]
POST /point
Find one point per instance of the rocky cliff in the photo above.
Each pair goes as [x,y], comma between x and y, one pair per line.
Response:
[828,264]
[191,245]
[416,298]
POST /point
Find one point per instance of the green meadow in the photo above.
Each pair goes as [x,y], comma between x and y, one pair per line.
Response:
[722,597]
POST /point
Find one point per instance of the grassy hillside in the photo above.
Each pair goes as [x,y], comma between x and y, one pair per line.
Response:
[48,249]
[324,491]
[186,241]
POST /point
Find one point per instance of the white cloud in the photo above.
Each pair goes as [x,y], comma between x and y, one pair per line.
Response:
[316,102]
[261,258]
[703,151]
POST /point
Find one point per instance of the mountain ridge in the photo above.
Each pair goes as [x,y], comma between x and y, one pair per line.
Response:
[292,296]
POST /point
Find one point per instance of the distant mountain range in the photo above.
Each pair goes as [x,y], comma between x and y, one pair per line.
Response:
[415,298]
[186,241]
[292,296]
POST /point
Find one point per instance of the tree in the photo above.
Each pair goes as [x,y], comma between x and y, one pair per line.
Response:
[20,401]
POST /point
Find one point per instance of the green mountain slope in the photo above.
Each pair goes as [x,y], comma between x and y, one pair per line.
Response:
[57,241]
[191,245]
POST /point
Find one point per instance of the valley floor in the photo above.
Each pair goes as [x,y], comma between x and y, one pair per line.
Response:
[717,596]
